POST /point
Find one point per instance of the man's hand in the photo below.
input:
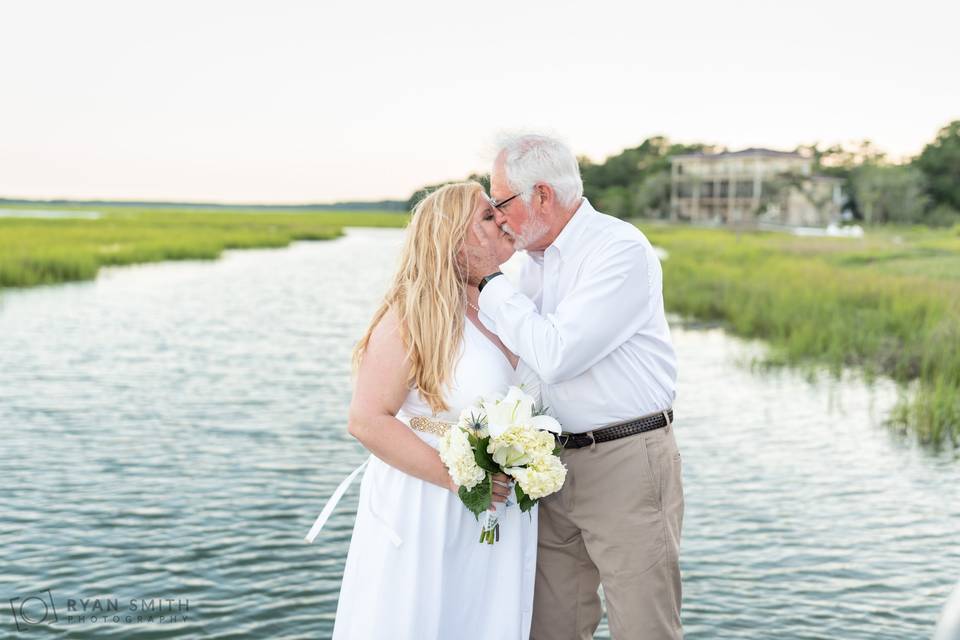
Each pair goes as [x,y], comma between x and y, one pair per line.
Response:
[482,257]
[502,485]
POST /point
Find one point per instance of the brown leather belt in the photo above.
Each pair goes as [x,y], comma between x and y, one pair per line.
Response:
[616,431]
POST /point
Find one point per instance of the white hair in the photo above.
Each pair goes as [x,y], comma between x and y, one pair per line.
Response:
[531,158]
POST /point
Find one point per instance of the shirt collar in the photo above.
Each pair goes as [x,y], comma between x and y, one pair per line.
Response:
[566,242]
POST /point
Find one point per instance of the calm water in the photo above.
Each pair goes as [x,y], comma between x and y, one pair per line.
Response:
[171,431]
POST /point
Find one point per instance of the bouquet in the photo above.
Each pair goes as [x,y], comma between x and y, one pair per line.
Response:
[502,434]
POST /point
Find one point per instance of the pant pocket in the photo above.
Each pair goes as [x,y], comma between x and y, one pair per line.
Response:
[653,450]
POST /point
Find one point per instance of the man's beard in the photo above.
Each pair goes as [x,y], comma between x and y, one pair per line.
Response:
[535,229]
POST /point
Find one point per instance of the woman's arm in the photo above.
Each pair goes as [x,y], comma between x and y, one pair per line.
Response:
[379,393]
[380,390]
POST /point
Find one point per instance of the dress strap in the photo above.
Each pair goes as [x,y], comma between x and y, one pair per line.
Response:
[334,499]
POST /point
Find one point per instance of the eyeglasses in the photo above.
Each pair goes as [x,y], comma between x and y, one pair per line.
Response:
[500,205]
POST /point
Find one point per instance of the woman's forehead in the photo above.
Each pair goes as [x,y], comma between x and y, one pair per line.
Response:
[482,202]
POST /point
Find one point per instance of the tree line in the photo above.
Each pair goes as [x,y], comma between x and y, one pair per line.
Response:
[922,190]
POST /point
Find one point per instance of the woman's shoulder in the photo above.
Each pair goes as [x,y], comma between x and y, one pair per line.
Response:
[386,351]
[387,332]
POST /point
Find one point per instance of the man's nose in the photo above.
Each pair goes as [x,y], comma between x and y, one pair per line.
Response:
[499,217]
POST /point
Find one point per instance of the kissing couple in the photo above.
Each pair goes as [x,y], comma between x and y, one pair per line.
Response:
[582,328]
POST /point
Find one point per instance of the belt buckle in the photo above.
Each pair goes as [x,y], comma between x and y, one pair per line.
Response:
[566,438]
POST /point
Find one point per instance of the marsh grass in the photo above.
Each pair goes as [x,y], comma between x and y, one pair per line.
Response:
[888,304]
[37,251]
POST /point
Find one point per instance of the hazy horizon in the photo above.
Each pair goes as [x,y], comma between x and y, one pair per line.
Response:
[294,102]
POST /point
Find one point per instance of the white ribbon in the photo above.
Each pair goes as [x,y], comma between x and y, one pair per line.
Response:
[332,502]
[489,519]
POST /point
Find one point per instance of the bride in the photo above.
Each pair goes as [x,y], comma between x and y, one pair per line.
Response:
[416,568]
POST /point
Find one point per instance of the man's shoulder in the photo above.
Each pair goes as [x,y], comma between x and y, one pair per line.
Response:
[609,231]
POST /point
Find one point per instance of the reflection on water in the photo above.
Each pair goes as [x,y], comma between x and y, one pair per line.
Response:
[172,430]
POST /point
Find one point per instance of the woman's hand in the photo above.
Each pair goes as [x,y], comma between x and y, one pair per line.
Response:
[453,486]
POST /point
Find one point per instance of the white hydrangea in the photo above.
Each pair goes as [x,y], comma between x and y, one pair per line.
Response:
[543,476]
[518,444]
[457,455]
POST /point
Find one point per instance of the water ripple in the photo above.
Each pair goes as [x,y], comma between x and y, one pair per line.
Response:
[172,430]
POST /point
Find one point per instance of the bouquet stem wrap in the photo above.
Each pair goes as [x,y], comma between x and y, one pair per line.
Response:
[490,520]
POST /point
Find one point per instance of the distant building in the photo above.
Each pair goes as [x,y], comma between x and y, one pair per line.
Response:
[752,185]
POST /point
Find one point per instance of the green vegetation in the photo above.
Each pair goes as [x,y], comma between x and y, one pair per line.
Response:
[923,190]
[888,303]
[635,182]
[42,251]
[423,192]
[940,163]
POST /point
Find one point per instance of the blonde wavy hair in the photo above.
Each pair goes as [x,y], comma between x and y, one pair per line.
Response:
[428,292]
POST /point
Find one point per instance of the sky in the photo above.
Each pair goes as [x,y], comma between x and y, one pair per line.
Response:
[290,101]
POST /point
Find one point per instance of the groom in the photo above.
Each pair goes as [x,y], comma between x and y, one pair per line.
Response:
[587,315]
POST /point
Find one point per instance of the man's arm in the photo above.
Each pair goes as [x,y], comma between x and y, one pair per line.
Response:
[613,297]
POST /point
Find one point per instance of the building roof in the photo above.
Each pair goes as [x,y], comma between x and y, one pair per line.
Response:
[752,152]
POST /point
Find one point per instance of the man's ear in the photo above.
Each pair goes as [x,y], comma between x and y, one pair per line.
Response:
[544,195]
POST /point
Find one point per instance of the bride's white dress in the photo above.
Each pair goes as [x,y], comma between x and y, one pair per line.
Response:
[416,569]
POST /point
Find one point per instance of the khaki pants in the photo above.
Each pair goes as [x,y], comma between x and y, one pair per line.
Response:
[615,522]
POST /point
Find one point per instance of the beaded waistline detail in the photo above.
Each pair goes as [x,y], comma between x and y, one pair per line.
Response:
[427,425]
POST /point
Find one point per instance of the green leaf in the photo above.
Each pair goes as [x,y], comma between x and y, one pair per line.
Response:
[484,459]
[478,499]
[524,501]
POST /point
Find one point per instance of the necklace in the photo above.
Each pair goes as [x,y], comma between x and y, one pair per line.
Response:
[473,306]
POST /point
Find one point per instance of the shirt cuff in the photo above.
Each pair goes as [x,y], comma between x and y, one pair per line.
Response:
[494,294]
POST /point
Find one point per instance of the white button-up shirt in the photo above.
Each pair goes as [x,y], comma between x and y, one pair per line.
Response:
[587,315]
